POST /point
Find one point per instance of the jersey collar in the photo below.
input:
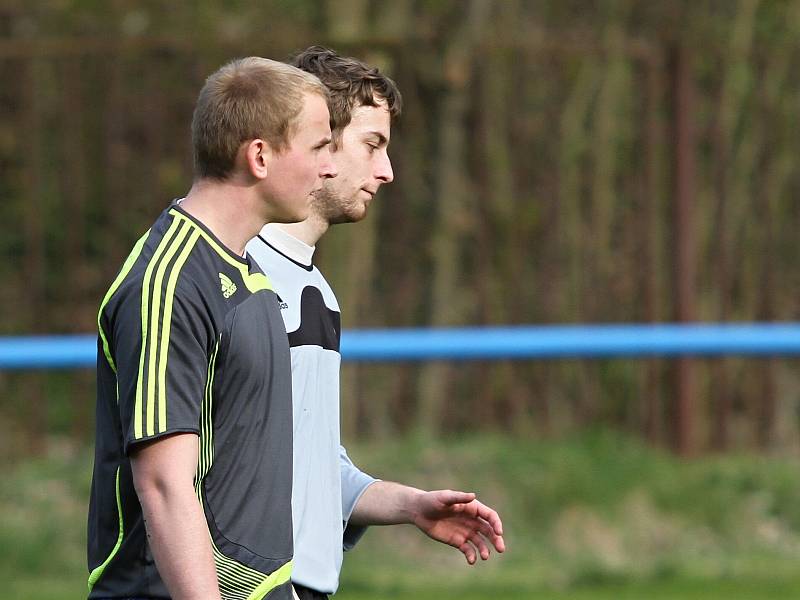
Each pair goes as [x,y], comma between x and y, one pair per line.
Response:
[287,244]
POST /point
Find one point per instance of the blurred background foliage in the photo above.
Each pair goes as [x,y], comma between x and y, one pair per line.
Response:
[564,161]
[557,162]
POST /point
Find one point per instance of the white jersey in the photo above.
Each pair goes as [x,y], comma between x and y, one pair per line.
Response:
[326,484]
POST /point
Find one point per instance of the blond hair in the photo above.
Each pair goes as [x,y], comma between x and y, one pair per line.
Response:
[248,98]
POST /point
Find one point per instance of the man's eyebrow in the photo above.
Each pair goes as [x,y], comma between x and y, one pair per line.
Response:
[381,138]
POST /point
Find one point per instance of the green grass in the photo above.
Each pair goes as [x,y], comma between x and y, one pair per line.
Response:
[679,588]
[596,516]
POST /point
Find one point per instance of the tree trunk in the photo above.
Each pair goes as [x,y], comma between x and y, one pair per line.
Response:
[652,257]
[448,303]
[34,224]
[684,242]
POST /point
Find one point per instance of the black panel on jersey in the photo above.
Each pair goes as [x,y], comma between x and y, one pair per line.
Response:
[319,325]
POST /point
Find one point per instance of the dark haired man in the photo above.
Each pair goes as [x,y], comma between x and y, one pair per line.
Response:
[332,500]
[188,424]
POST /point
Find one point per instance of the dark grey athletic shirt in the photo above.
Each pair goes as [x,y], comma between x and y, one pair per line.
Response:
[191,340]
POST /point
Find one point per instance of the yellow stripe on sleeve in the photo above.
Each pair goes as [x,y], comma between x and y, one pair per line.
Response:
[166,324]
[145,310]
[154,358]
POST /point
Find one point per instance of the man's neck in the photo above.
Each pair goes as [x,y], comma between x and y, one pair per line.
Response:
[226,209]
[309,231]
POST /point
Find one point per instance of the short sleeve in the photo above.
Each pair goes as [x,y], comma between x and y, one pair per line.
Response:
[354,482]
[162,353]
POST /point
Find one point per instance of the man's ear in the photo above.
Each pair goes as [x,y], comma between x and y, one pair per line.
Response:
[257,158]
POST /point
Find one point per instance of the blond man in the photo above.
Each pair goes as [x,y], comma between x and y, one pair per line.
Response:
[192,478]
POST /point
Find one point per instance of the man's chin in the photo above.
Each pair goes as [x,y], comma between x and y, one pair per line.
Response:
[351,216]
[359,212]
[291,217]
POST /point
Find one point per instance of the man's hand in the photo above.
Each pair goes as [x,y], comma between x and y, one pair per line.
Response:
[454,518]
[459,520]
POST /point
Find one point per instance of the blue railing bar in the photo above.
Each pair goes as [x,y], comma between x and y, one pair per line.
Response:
[481,343]
[573,341]
[48,351]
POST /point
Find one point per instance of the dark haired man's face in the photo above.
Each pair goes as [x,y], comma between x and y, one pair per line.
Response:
[363,165]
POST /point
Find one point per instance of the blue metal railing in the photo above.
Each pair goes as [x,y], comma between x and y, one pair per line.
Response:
[480,343]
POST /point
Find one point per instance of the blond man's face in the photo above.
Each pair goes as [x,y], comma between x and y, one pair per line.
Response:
[300,169]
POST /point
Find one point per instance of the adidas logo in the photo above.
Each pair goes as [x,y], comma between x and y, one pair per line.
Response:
[228,287]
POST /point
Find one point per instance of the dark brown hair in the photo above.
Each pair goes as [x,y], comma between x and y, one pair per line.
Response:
[350,83]
[248,98]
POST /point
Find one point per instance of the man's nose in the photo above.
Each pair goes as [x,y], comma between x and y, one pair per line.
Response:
[327,168]
[383,170]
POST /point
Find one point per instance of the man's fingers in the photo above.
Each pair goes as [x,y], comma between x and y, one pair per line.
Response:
[451,497]
[484,527]
[490,534]
[491,516]
[477,536]
[468,503]
[480,543]
[469,552]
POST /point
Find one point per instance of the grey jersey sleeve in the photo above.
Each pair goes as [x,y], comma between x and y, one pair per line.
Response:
[354,482]
[161,376]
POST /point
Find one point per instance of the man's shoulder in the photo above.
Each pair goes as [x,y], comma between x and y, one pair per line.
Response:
[172,264]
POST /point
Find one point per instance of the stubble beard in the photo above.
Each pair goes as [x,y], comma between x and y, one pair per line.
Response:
[335,209]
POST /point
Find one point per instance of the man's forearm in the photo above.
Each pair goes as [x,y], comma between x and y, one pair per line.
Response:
[385,503]
[163,474]
[178,536]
